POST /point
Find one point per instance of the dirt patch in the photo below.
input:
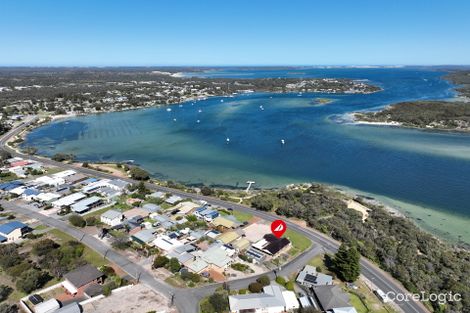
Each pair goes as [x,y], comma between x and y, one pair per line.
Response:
[136,299]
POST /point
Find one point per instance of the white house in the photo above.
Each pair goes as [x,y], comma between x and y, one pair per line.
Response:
[13,231]
[273,300]
[112,218]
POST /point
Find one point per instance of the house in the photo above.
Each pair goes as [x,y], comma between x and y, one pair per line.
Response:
[144,237]
[82,277]
[13,231]
[151,208]
[271,245]
[70,308]
[136,212]
[47,197]
[68,200]
[112,218]
[217,256]
[157,195]
[167,243]
[30,193]
[256,231]
[330,297]
[309,277]
[349,309]
[173,200]
[241,244]
[274,299]
[186,207]
[48,306]
[75,178]
[86,204]
[64,174]
[226,222]
[196,265]
[228,237]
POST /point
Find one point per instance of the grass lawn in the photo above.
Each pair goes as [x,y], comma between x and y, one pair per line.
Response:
[41,227]
[357,303]
[98,212]
[300,243]
[241,216]
[89,255]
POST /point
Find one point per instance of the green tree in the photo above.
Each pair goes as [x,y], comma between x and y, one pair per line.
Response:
[264,280]
[77,221]
[160,261]
[7,308]
[255,287]
[5,291]
[206,191]
[139,174]
[262,203]
[174,265]
[346,263]
[219,302]
[31,280]
[44,246]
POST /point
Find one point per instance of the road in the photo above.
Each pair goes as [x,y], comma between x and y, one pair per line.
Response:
[186,299]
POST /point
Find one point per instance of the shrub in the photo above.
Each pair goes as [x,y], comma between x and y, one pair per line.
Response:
[219,302]
[264,280]
[77,221]
[160,261]
[255,287]
[174,265]
[5,291]
[139,174]
[290,285]
[281,280]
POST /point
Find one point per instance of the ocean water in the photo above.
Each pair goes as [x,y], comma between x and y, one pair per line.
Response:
[426,172]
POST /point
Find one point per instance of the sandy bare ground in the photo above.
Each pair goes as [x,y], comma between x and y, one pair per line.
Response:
[360,208]
[137,299]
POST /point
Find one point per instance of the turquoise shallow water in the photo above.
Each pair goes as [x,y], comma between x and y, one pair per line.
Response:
[426,169]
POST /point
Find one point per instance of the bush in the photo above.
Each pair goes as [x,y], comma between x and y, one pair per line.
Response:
[160,261]
[44,247]
[219,302]
[174,265]
[60,157]
[281,280]
[242,291]
[139,174]
[31,280]
[108,288]
[5,291]
[77,221]
[264,280]
[290,285]
[6,308]
[91,221]
[206,191]
[240,267]
[255,287]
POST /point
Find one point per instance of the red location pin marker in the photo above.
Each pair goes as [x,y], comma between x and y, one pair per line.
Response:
[278,228]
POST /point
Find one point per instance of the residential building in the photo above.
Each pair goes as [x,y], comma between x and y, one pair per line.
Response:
[331,297]
[271,245]
[274,299]
[309,277]
[112,218]
[68,200]
[144,237]
[13,231]
[81,278]
[86,204]
[48,306]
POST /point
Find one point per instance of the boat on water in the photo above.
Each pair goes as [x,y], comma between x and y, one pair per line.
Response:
[227,140]
[283,142]
[168,109]
[199,111]
[198,121]
[261,108]
[174,120]
[221,100]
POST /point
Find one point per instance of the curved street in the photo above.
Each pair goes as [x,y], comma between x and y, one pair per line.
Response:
[186,300]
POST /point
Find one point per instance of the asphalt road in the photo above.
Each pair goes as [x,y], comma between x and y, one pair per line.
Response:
[186,299]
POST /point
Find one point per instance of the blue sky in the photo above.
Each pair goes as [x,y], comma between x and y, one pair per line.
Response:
[223,32]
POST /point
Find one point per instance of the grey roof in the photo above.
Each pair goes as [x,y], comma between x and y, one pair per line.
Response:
[83,275]
[84,204]
[112,214]
[331,296]
[151,207]
[185,248]
[157,194]
[94,290]
[144,236]
[182,257]
[272,297]
[70,308]
[119,183]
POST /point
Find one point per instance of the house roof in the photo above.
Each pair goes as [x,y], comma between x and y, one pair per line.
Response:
[272,297]
[151,207]
[3,239]
[85,203]
[156,194]
[112,214]
[70,199]
[228,237]
[83,275]
[275,244]
[47,306]
[331,296]
[197,265]
[11,226]
[225,222]
[70,308]
[94,290]
[241,243]
[144,236]
[349,309]
[217,256]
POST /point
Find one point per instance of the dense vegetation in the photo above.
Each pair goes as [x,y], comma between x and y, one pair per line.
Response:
[414,257]
[424,114]
[443,115]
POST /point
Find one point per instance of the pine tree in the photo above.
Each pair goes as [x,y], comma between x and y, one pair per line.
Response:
[346,263]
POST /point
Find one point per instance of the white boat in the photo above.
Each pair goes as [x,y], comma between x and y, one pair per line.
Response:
[199,111]
[221,100]
[261,108]
[174,120]
[228,140]
[198,121]
[168,109]
[283,142]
